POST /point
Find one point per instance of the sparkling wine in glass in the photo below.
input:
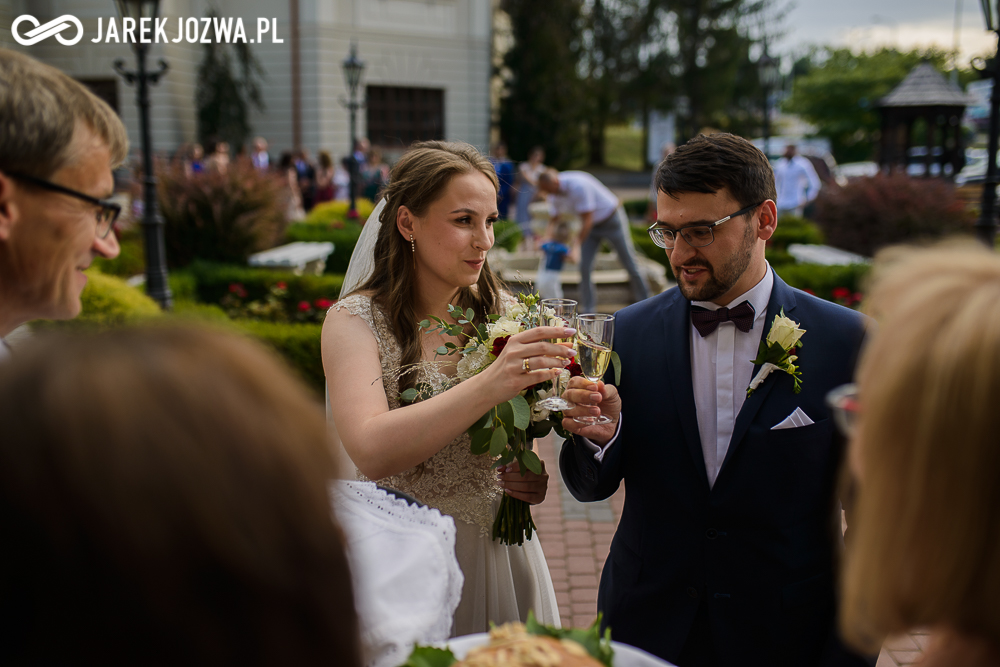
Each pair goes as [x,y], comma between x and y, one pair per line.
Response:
[595,333]
[557,313]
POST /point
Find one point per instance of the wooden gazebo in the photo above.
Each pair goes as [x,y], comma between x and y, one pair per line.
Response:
[923,94]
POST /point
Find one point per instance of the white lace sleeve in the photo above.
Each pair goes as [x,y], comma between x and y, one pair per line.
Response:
[407,581]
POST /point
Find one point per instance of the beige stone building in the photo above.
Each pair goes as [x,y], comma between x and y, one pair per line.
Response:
[427,75]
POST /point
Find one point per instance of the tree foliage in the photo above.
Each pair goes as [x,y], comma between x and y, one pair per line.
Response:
[840,93]
[224,97]
[543,101]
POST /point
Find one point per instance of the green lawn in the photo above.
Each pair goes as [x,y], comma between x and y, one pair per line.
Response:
[623,147]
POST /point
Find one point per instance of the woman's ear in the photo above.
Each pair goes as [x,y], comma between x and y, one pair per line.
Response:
[405,221]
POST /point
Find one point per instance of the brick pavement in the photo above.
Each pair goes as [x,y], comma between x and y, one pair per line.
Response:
[576,537]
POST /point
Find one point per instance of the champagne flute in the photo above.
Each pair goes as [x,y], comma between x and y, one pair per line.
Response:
[563,315]
[595,333]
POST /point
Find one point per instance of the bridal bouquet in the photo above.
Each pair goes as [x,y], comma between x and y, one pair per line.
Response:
[506,431]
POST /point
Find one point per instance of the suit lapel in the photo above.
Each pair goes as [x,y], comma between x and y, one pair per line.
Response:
[782,297]
[677,330]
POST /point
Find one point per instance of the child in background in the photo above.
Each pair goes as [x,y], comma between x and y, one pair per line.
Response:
[556,249]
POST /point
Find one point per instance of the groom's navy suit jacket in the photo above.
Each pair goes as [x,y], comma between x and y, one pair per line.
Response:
[759,547]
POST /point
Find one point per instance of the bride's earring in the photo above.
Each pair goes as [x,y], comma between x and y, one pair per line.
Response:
[413,244]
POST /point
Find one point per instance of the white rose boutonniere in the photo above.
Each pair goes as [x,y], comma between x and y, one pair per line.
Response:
[777,351]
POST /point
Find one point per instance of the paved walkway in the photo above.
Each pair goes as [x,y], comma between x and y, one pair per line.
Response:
[576,538]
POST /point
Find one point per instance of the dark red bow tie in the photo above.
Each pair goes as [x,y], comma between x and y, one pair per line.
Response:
[705,320]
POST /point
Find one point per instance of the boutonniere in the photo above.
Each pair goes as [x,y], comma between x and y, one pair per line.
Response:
[777,351]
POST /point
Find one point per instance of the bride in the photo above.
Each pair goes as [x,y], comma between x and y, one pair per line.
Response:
[424,247]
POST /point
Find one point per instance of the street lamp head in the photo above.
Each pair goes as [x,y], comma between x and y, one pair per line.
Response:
[138,9]
[991,17]
[353,67]
[769,73]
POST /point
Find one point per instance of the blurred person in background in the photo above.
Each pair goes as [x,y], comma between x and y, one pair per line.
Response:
[218,160]
[164,501]
[325,188]
[797,183]
[527,190]
[258,156]
[286,165]
[505,174]
[306,174]
[924,537]
[342,178]
[58,147]
[376,176]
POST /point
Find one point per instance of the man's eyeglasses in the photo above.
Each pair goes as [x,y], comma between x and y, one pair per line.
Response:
[697,236]
[107,211]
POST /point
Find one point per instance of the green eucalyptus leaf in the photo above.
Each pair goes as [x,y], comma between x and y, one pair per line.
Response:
[481,441]
[498,442]
[616,361]
[505,412]
[482,422]
[522,412]
[424,324]
[442,350]
[470,314]
[530,460]
[409,395]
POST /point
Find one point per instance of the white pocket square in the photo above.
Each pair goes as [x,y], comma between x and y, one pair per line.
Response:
[797,419]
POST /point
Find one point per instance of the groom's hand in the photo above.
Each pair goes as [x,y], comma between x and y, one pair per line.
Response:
[592,399]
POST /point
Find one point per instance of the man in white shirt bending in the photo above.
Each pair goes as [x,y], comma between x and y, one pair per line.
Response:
[796,181]
[56,155]
[602,217]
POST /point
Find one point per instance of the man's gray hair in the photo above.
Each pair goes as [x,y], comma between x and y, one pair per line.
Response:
[40,108]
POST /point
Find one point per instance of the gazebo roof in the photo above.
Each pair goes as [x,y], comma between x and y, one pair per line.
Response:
[924,86]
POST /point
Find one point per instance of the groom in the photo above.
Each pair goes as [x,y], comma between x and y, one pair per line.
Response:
[726,547]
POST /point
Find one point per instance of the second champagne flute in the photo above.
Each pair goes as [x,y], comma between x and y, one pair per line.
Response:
[563,315]
[595,333]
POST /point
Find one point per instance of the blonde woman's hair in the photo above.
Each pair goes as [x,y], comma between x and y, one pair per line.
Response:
[417,181]
[40,109]
[924,542]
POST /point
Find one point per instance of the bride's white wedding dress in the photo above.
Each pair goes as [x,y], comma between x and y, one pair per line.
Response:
[502,583]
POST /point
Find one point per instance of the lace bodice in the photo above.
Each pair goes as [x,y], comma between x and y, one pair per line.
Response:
[454,480]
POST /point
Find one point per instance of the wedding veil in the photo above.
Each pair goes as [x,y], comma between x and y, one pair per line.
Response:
[363,258]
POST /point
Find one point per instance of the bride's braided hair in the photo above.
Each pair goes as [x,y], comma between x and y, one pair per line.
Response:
[417,180]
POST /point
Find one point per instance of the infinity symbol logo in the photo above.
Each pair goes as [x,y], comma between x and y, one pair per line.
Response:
[44,31]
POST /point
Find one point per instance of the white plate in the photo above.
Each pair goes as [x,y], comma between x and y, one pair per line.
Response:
[625,655]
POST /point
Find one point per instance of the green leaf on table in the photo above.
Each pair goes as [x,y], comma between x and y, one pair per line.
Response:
[522,412]
[531,462]
[481,441]
[409,395]
[428,656]
[616,361]
[498,442]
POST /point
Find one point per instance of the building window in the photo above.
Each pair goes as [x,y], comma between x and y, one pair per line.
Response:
[399,116]
[106,89]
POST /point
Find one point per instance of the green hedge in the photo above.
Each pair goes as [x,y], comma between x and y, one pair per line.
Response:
[642,242]
[343,237]
[334,212]
[212,282]
[825,281]
[299,344]
[636,208]
[108,301]
[131,261]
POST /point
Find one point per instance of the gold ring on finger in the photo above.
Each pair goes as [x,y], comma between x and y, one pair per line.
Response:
[525,365]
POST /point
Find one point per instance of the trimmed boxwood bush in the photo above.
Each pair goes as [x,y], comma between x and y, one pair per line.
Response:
[333,212]
[642,242]
[343,237]
[636,208]
[299,344]
[833,283]
[131,261]
[109,301]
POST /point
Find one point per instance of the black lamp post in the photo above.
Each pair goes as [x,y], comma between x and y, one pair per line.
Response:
[768,67]
[152,224]
[986,226]
[353,68]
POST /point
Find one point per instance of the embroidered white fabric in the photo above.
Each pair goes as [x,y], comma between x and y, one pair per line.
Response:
[407,581]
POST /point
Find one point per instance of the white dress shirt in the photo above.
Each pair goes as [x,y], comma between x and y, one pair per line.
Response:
[580,192]
[721,371]
[797,182]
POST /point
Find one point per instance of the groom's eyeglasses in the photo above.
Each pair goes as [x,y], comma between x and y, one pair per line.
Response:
[843,402]
[107,211]
[697,236]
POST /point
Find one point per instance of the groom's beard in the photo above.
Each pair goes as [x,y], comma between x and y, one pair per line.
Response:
[721,281]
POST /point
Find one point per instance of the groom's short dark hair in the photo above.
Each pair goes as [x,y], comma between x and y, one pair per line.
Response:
[709,163]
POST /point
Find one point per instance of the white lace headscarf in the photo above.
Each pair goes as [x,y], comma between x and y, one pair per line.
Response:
[363,258]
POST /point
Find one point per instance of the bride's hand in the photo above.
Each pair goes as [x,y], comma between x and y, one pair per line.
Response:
[528,358]
[531,488]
